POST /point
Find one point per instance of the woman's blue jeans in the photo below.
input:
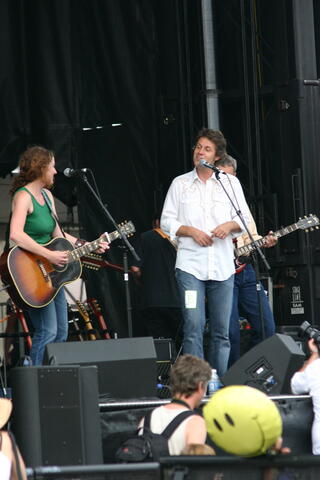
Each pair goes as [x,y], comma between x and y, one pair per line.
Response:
[50,325]
[219,301]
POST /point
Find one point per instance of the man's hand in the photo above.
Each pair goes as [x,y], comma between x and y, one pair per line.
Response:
[223,230]
[200,237]
[270,240]
[137,274]
[278,448]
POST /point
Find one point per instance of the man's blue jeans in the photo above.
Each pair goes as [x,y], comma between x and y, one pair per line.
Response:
[245,303]
[50,325]
[219,302]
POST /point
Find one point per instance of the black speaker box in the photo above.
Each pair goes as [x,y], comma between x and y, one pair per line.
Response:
[268,366]
[126,366]
[166,355]
[165,349]
[56,418]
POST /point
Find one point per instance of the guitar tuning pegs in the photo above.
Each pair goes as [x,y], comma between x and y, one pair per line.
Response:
[311,229]
[305,216]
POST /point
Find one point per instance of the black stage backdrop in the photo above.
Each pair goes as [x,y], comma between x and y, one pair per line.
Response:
[69,71]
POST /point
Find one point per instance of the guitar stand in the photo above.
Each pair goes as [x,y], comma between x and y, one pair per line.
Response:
[10,332]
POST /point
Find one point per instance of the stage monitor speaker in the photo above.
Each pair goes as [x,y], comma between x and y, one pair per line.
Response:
[126,366]
[268,366]
[56,418]
[166,356]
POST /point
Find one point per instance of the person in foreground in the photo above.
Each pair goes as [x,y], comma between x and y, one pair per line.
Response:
[198,214]
[11,463]
[33,225]
[188,380]
[307,380]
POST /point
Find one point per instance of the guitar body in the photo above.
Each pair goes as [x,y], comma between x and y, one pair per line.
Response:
[34,281]
[239,266]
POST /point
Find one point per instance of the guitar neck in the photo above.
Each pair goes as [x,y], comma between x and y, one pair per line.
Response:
[247,249]
[77,253]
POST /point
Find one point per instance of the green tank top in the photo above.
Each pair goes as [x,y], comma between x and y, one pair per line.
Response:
[40,223]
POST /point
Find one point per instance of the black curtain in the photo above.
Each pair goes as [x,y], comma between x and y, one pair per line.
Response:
[69,71]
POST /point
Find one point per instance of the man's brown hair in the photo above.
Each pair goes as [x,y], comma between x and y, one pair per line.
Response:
[216,137]
[187,373]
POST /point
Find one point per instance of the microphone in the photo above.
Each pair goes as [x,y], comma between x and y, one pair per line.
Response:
[211,166]
[70,172]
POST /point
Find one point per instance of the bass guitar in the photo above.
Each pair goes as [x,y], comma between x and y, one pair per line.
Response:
[34,282]
[307,223]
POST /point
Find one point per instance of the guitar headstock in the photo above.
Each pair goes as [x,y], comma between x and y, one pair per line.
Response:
[82,309]
[308,222]
[93,302]
[127,228]
[94,261]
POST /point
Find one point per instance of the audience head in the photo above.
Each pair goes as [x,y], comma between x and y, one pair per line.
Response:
[187,373]
[242,420]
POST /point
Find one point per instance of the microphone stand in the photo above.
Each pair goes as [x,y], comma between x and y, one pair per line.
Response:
[254,244]
[126,247]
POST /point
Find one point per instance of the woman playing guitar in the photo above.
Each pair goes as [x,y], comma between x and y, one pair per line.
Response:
[33,225]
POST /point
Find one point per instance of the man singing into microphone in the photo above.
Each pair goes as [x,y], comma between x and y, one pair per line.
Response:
[199,215]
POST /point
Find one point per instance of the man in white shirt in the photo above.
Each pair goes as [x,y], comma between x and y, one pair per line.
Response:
[198,214]
[307,380]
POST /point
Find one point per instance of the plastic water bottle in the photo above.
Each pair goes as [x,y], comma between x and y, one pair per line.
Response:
[214,383]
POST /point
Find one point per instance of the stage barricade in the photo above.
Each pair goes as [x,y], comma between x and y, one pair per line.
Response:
[120,419]
[281,467]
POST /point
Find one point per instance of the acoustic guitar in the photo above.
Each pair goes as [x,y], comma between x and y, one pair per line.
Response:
[34,282]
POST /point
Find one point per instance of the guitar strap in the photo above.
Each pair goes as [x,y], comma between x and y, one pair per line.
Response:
[164,235]
[45,196]
[7,242]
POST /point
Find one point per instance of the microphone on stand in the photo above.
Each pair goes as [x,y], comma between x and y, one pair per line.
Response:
[70,172]
[211,166]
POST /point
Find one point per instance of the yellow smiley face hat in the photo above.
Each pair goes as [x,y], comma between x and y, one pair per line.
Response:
[242,420]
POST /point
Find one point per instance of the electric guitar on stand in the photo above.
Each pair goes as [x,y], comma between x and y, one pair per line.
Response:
[87,322]
[94,306]
[34,282]
[307,223]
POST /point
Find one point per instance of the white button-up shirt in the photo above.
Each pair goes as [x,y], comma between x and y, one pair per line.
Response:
[203,205]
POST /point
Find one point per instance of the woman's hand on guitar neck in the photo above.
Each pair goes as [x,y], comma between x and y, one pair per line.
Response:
[103,246]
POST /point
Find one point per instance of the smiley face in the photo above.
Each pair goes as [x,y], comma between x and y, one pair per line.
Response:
[242,420]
